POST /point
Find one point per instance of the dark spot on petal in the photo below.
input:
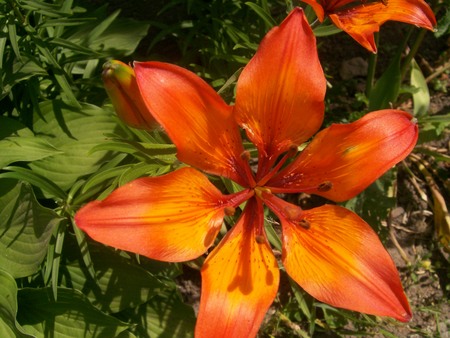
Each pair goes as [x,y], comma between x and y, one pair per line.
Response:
[325,186]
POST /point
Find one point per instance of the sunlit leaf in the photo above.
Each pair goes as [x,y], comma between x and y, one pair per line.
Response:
[75,133]
[8,308]
[421,97]
[25,230]
[119,283]
[71,316]
[164,316]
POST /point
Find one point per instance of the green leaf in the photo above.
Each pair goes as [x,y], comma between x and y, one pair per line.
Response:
[263,14]
[25,230]
[74,132]
[326,30]
[71,316]
[33,148]
[421,97]
[119,283]
[117,38]
[386,89]
[18,143]
[8,308]
[164,316]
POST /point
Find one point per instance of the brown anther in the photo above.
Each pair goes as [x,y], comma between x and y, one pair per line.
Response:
[229,211]
[246,155]
[325,186]
[292,212]
[304,224]
[260,239]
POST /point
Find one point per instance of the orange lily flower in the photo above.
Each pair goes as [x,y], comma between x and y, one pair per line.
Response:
[360,19]
[329,251]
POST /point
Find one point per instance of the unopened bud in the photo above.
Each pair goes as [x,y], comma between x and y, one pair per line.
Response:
[120,83]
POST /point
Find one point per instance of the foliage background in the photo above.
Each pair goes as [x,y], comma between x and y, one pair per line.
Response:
[62,146]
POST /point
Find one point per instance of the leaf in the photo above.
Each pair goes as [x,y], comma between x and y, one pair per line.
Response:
[326,30]
[117,38]
[263,14]
[16,148]
[119,283]
[74,132]
[443,26]
[71,316]
[25,230]
[386,89]
[374,203]
[164,316]
[18,143]
[8,308]
[421,97]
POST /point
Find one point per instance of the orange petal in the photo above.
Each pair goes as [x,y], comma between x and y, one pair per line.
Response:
[344,159]
[280,93]
[120,84]
[196,119]
[339,260]
[174,217]
[360,22]
[239,280]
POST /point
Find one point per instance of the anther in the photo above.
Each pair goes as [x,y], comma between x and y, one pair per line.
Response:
[260,239]
[292,212]
[229,211]
[245,155]
[325,186]
[304,224]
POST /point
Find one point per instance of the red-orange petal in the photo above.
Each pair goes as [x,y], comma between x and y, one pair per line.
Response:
[239,280]
[174,217]
[344,159]
[196,119]
[339,260]
[360,22]
[280,93]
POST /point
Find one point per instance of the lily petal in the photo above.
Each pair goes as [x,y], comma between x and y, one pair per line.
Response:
[361,20]
[239,280]
[196,119]
[279,101]
[344,159]
[174,217]
[340,261]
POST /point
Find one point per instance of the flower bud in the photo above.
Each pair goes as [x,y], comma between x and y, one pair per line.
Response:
[120,83]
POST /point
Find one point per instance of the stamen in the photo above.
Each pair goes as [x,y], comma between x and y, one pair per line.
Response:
[304,224]
[292,213]
[290,153]
[260,239]
[229,210]
[325,186]
[246,155]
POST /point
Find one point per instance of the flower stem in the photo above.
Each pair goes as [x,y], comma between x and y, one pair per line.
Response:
[372,66]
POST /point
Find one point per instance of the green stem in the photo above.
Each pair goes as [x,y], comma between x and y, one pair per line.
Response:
[415,47]
[371,68]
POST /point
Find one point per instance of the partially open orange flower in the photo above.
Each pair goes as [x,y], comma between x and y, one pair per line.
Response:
[361,18]
[120,83]
[329,251]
